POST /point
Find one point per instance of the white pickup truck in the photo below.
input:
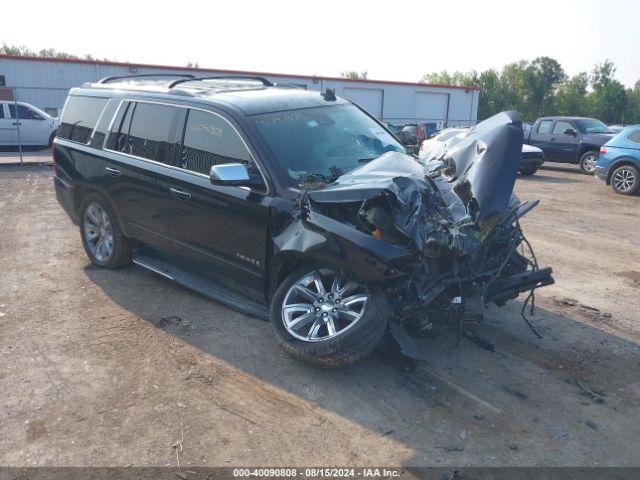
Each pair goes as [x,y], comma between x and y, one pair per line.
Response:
[37,128]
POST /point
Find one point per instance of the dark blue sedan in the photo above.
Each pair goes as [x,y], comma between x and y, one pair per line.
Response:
[619,161]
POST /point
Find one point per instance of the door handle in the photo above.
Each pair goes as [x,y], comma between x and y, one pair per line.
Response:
[112,171]
[553,139]
[17,123]
[179,193]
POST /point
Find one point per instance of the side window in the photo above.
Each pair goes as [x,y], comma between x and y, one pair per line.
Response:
[79,118]
[1,110]
[561,126]
[634,136]
[544,126]
[151,134]
[210,140]
[104,121]
[118,137]
[24,113]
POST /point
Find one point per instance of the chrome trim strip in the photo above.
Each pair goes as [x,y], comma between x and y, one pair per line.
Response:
[153,269]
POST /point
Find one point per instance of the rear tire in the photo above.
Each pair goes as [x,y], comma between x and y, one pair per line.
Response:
[588,162]
[625,180]
[349,343]
[102,239]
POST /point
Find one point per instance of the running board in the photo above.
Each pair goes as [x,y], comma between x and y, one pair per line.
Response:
[203,286]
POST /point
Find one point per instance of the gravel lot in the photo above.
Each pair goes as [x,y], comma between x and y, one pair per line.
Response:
[113,367]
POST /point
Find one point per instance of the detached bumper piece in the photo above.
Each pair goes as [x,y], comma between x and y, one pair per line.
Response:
[507,288]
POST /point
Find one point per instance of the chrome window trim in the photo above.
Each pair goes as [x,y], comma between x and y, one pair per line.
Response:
[95,129]
[125,99]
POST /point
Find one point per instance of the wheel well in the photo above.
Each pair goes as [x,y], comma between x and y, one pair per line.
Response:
[587,148]
[283,269]
[619,164]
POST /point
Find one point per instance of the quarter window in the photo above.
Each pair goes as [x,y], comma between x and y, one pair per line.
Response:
[79,118]
[210,140]
[545,126]
[560,127]
[634,136]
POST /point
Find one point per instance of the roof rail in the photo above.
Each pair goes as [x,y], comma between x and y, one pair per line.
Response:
[263,80]
[121,77]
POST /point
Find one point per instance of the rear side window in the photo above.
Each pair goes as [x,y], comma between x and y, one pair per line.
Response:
[151,132]
[146,130]
[545,126]
[79,118]
[634,136]
[211,140]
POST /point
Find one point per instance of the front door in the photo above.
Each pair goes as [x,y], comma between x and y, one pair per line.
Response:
[34,129]
[564,145]
[218,232]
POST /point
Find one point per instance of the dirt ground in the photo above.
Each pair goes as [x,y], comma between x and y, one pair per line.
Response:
[106,368]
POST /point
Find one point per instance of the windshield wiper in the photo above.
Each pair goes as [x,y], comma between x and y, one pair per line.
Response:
[365,160]
[311,178]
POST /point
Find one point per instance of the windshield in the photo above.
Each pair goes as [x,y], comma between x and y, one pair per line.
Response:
[591,125]
[326,141]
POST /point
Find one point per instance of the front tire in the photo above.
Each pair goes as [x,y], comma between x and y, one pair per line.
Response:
[102,239]
[325,319]
[625,180]
[528,171]
[588,162]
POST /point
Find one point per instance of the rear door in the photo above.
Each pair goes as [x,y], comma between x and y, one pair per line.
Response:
[541,137]
[563,146]
[7,129]
[218,232]
[142,145]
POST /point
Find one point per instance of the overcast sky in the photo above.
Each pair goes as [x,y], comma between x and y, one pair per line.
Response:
[392,40]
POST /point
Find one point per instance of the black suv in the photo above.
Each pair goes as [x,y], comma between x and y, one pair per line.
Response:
[294,205]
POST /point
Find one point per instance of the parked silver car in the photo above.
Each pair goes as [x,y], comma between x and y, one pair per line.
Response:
[37,128]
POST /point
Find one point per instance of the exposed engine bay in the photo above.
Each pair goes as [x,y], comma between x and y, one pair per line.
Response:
[440,236]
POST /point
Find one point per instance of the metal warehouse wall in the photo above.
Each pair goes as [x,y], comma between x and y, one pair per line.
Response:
[46,82]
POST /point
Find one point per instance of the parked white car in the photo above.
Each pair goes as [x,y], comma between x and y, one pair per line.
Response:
[37,128]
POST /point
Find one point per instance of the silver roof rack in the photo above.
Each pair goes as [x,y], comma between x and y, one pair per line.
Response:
[185,76]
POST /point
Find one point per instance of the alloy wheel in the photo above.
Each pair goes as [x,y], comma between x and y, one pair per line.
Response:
[312,312]
[623,179]
[589,163]
[98,232]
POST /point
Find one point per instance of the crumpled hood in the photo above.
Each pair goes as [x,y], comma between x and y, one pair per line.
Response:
[453,197]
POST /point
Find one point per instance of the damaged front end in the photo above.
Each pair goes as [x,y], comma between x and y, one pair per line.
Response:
[440,237]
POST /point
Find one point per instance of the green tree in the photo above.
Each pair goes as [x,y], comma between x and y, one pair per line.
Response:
[608,99]
[541,78]
[353,75]
[571,96]
[632,112]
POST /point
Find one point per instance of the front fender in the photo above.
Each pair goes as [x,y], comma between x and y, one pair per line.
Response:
[321,240]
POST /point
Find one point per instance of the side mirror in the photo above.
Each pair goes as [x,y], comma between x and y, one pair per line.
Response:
[231,175]
[569,131]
